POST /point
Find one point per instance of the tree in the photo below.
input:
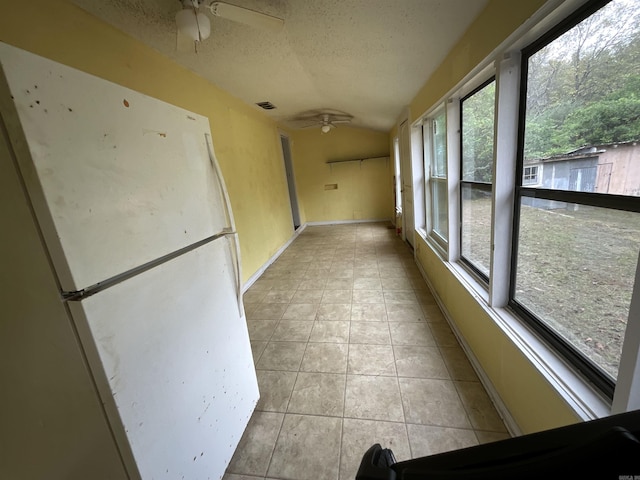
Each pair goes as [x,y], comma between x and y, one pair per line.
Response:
[583,87]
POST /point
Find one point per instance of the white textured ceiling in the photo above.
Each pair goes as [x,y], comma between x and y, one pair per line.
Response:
[367,58]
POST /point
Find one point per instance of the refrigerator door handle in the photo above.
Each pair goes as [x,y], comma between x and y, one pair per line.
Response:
[235,249]
[223,187]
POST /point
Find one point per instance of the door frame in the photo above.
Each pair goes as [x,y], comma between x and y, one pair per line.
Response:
[287,160]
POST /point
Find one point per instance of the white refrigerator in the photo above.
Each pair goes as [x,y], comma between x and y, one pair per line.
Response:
[136,221]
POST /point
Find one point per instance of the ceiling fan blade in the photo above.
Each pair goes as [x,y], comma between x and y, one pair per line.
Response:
[340,121]
[246,16]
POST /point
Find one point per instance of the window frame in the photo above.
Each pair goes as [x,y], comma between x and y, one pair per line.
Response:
[487,187]
[428,134]
[587,367]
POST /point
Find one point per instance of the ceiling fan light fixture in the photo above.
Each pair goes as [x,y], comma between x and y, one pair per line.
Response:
[192,24]
[326,128]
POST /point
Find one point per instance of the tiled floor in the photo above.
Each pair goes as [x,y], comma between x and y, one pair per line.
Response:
[351,350]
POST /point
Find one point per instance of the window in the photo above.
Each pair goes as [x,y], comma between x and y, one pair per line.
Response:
[530,175]
[435,136]
[577,220]
[477,131]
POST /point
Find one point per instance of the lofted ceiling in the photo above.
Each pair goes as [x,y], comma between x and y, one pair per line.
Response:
[366,58]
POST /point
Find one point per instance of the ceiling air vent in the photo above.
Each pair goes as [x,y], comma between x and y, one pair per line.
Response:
[266,105]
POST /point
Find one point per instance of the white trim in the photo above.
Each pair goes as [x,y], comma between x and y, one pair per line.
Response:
[504,180]
[342,222]
[453,177]
[501,408]
[252,279]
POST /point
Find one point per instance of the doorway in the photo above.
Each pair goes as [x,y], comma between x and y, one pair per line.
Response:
[288,166]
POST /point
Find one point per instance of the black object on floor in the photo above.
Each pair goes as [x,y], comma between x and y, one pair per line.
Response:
[607,448]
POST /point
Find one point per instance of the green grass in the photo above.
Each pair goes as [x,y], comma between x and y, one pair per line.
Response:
[575,270]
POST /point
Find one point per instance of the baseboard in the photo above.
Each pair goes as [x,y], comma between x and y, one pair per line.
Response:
[341,222]
[252,279]
[501,408]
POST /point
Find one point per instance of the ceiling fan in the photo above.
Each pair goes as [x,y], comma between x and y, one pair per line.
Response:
[193,26]
[325,120]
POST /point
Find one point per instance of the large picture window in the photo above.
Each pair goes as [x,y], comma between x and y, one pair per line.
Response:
[577,218]
[477,131]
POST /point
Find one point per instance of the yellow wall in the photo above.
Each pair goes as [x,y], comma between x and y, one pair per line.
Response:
[531,400]
[364,188]
[246,141]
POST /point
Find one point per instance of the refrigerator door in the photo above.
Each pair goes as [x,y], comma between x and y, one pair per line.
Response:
[173,363]
[116,178]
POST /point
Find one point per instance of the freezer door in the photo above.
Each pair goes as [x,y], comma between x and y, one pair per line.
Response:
[117,178]
[171,356]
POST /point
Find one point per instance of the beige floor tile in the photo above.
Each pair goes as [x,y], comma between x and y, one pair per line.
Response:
[292,331]
[318,394]
[391,271]
[300,311]
[368,312]
[264,311]
[432,313]
[278,296]
[284,284]
[367,296]
[396,283]
[458,365]
[365,270]
[318,283]
[330,332]
[373,398]
[367,283]
[336,296]
[479,407]
[411,333]
[340,273]
[334,312]
[233,476]
[428,440]
[256,446]
[401,312]
[313,273]
[443,335]
[257,347]
[371,360]
[339,284]
[432,402]
[359,435]
[261,284]
[399,296]
[308,448]
[419,362]
[282,356]
[275,390]
[307,296]
[254,296]
[325,358]
[261,329]
[373,333]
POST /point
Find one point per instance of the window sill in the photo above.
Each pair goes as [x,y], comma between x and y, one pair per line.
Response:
[575,390]
[434,244]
